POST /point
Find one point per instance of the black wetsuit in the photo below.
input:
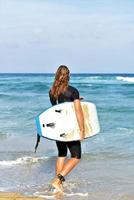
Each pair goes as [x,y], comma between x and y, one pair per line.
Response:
[75,146]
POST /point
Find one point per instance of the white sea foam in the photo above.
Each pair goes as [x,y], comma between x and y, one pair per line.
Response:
[53,195]
[126,79]
[126,130]
[87,79]
[21,161]
[77,194]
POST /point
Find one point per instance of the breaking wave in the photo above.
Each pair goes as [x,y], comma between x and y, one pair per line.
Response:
[21,161]
[126,79]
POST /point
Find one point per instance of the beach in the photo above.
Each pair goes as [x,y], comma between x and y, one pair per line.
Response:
[105,171]
[16,196]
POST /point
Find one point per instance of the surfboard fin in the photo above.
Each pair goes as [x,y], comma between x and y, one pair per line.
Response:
[37,143]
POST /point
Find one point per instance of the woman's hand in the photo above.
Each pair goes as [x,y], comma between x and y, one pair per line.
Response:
[82,135]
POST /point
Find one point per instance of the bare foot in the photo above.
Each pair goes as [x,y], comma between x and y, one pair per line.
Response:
[56,183]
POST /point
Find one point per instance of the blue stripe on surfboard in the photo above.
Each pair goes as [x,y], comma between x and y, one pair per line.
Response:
[38,126]
[37,120]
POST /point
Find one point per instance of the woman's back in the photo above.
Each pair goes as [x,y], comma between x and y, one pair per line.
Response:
[69,95]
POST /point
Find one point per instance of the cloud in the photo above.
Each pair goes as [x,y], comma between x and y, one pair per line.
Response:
[73,28]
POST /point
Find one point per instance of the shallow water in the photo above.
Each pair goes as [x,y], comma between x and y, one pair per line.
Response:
[106,169]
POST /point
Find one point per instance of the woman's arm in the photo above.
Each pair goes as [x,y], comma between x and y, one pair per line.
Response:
[80,117]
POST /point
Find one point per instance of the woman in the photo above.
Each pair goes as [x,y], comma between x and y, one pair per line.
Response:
[61,92]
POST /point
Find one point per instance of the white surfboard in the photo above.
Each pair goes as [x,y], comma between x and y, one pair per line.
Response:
[59,122]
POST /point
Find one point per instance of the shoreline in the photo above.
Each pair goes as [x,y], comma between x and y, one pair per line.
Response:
[16,196]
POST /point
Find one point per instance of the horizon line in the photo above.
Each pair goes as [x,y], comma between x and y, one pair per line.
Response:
[70,73]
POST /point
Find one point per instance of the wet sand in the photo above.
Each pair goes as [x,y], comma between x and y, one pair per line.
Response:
[16,196]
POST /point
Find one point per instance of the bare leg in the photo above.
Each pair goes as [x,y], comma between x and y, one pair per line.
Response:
[69,166]
[63,169]
[59,164]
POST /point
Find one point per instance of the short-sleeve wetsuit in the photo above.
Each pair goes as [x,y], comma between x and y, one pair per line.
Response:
[74,147]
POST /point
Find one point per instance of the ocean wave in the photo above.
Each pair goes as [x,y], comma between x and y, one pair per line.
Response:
[126,79]
[86,79]
[9,96]
[12,88]
[53,195]
[22,161]
[4,135]
[126,130]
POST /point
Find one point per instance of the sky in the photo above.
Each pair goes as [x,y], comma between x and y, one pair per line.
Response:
[88,36]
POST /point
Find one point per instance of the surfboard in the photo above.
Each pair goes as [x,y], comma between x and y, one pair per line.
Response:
[59,122]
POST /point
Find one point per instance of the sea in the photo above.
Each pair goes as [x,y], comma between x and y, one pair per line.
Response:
[106,169]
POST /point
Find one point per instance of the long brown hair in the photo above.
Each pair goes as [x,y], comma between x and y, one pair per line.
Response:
[61,81]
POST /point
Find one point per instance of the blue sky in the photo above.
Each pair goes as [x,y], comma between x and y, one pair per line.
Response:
[88,36]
